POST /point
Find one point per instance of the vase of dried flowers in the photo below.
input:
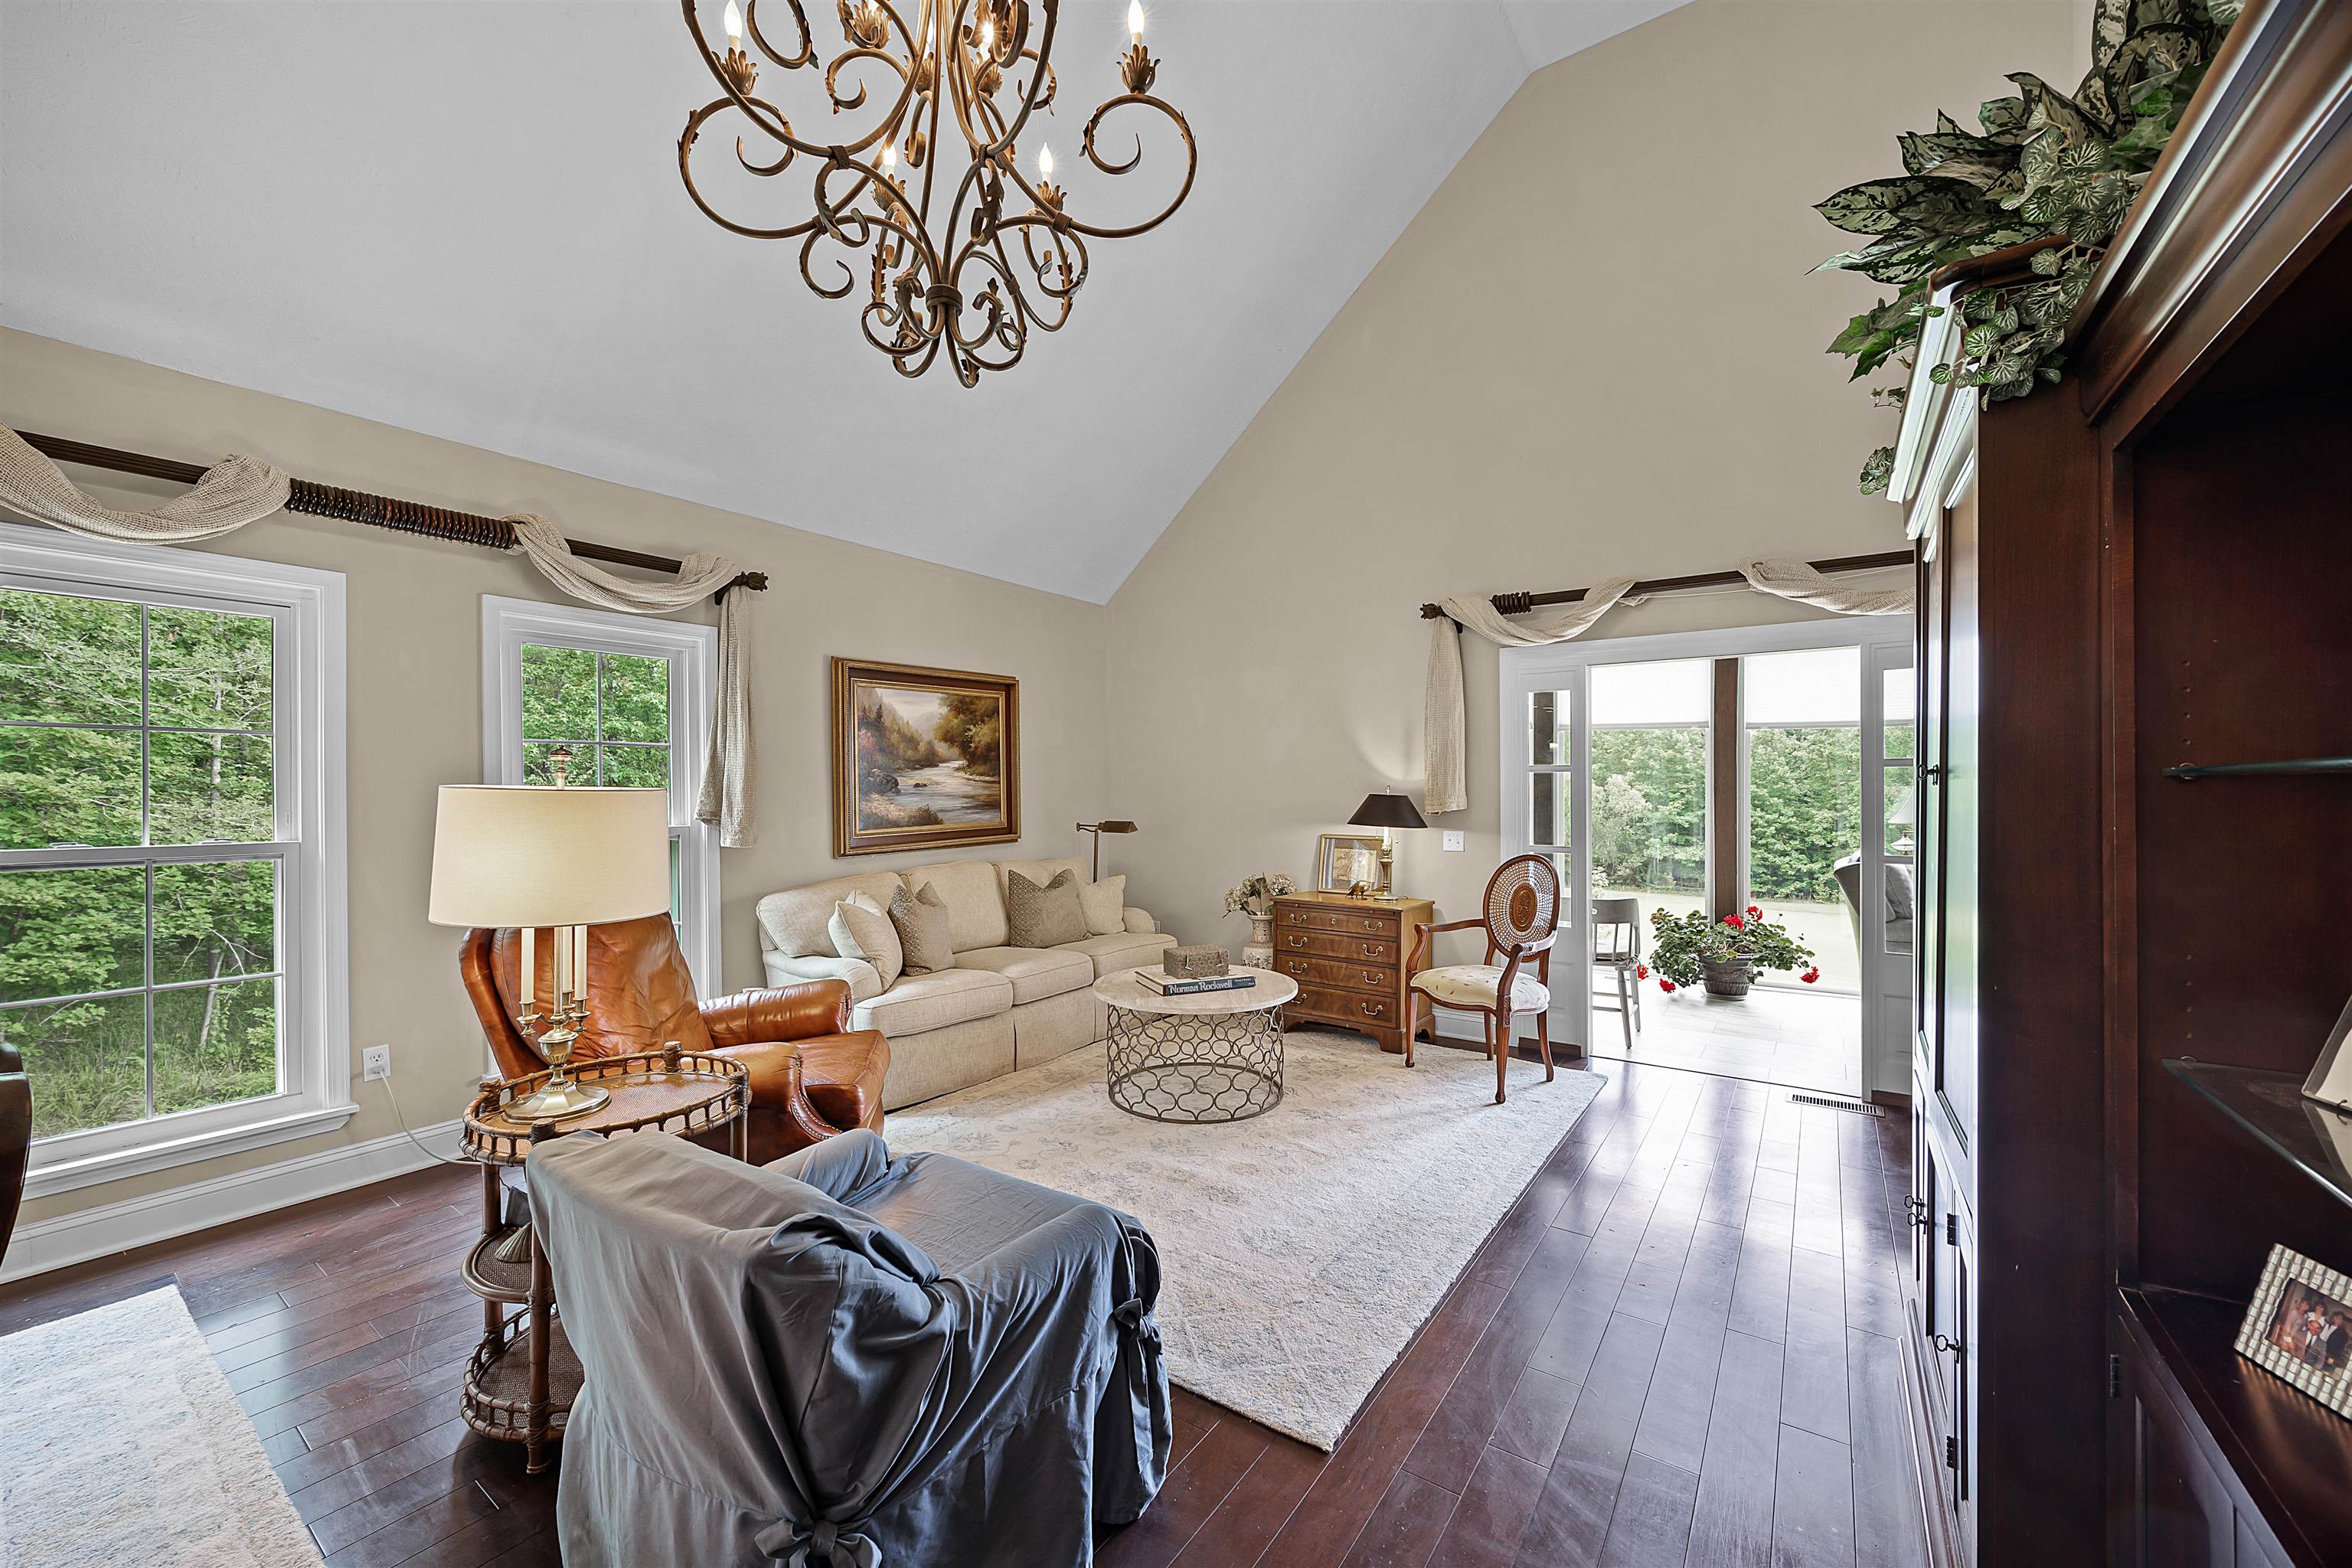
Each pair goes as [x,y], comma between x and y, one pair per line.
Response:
[1254,897]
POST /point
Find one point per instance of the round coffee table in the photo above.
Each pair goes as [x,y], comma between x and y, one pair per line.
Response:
[1210,1056]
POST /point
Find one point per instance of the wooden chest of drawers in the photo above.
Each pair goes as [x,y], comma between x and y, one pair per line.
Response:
[1349,958]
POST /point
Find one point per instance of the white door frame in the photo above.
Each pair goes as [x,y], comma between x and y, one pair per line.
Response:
[1566,667]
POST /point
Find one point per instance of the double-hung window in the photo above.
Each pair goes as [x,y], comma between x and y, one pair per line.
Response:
[173,930]
[629,699]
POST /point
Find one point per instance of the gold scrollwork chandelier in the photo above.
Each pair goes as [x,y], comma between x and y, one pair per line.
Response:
[1004,255]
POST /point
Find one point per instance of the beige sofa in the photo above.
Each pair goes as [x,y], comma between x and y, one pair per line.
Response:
[999,1009]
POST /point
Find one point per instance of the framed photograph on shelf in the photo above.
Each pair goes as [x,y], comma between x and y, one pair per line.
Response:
[2330,1082]
[2299,1327]
[1343,860]
[923,759]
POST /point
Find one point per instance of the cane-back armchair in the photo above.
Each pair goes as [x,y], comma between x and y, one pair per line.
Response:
[1521,920]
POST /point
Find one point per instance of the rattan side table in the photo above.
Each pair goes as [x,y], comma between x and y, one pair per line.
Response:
[523,1376]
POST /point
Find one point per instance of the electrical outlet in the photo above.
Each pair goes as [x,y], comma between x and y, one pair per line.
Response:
[375,1062]
[1454,839]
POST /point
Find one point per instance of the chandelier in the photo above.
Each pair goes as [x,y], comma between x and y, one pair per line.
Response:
[961,255]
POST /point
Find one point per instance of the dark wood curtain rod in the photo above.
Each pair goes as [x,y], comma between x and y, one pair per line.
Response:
[358,506]
[1520,604]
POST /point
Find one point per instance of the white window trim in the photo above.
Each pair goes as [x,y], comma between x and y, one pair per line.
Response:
[314,915]
[693,655]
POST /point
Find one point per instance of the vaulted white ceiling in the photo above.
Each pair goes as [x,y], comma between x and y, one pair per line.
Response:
[467,220]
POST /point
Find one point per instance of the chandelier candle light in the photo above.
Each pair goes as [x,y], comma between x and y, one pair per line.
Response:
[968,273]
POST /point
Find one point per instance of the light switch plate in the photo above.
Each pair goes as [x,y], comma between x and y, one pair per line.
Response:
[1453,838]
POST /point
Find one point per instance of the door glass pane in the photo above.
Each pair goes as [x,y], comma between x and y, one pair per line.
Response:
[66,932]
[216,1044]
[215,920]
[86,1061]
[1900,687]
[1548,740]
[1547,809]
[636,698]
[1649,783]
[68,660]
[1805,804]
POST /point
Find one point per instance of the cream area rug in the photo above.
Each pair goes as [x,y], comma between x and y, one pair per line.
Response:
[124,1445]
[1301,1251]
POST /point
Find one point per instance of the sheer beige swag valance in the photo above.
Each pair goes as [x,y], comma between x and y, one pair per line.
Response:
[1443,723]
[239,490]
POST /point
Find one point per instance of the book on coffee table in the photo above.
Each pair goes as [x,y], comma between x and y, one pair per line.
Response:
[1170,985]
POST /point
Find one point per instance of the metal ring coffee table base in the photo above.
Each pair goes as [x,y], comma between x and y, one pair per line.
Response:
[1196,1068]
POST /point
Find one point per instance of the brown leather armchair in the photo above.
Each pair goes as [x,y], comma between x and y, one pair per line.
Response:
[811,1075]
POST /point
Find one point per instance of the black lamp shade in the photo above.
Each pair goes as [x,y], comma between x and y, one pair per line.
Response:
[1386,810]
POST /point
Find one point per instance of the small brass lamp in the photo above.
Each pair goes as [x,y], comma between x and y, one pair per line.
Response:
[1388,813]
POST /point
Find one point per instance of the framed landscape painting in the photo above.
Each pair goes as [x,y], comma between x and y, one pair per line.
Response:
[923,759]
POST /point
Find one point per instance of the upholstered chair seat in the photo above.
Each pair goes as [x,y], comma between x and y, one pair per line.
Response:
[1474,985]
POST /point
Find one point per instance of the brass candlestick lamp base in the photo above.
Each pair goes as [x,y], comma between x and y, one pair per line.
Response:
[560,1098]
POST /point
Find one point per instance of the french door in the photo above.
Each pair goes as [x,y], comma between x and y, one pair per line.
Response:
[1663,704]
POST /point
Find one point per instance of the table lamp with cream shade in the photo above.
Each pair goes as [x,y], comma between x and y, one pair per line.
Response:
[531,858]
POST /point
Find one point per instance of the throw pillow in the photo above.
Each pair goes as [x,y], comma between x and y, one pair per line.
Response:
[861,929]
[1106,905]
[923,938]
[1043,917]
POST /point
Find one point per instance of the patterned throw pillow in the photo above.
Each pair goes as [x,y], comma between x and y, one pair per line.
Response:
[1106,905]
[1043,917]
[861,929]
[922,922]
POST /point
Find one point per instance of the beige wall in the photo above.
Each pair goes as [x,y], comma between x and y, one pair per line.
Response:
[413,618]
[1596,351]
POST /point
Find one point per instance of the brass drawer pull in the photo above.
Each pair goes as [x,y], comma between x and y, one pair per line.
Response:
[1374,949]
[1298,941]
[1373,976]
[1373,1009]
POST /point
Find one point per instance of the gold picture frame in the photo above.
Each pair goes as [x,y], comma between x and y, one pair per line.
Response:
[1345,860]
[2298,1327]
[923,758]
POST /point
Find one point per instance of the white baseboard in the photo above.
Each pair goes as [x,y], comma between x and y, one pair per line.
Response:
[109,1228]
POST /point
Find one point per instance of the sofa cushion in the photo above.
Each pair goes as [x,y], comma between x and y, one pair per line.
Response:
[1104,903]
[933,1001]
[969,889]
[794,922]
[923,925]
[1120,949]
[1036,973]
[1041,915]
[861,929]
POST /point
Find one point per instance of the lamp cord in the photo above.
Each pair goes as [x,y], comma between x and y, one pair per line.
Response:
[413,1137]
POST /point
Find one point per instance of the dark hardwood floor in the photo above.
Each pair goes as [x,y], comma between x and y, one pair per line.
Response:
[1677,1348]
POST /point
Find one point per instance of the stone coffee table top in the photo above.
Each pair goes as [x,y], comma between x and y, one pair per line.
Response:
[1124,990]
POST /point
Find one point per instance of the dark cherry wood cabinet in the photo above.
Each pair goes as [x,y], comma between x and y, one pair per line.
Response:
[2147,566]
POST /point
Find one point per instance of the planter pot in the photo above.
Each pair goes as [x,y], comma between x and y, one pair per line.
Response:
[1259,953]
[1728,978]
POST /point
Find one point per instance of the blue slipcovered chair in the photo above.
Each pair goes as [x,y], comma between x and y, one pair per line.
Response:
[843,1360]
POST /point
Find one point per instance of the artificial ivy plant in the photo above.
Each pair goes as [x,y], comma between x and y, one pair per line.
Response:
[2045,166]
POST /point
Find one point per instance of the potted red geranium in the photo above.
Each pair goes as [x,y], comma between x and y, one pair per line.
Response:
[1687,949]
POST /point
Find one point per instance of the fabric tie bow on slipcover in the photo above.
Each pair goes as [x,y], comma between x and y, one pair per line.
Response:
[823,1545]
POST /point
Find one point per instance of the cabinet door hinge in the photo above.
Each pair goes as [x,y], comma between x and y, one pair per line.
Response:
[1952,1229]
[2114,1377]
[1951,1453]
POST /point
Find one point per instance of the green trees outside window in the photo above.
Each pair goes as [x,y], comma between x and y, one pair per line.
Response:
[139,966]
